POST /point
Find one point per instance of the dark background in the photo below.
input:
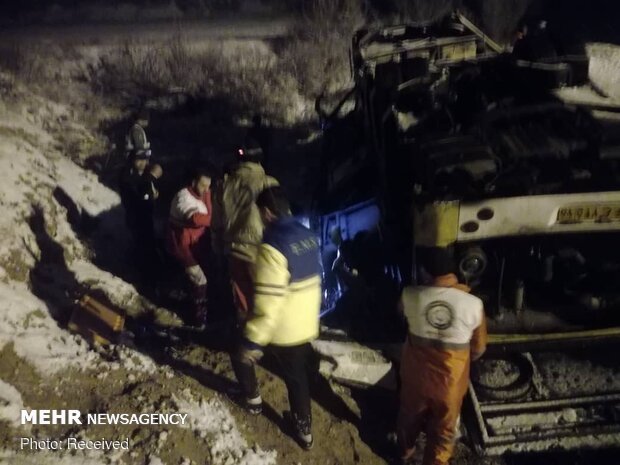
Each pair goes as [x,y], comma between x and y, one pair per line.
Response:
[591,20]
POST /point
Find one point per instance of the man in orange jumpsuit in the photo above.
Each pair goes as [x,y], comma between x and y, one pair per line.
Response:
[446,330]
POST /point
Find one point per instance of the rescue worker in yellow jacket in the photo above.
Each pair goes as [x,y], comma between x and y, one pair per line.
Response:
[285,316]
[242,226]
[447,329]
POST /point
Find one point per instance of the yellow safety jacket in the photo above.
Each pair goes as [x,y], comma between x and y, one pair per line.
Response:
[287,286]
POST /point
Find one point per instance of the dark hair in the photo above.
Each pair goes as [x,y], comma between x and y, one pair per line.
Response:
[437,261]
[275,200]
[198,172]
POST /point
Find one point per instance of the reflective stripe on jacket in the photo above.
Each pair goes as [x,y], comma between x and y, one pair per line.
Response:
[287,287]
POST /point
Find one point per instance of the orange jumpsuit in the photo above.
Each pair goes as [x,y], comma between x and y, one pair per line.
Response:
[446,328]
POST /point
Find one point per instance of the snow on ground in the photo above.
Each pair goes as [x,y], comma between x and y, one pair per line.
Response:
[25,321]
[120,293]
[212,420]
[135,361]
[11,404]
[28,167]
[90,196]
[154,460]
[33,171]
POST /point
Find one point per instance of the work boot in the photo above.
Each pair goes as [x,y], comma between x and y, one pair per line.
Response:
[251,404]
[198,311]
[197,320]
[201,317]
[302,427]
[198,317]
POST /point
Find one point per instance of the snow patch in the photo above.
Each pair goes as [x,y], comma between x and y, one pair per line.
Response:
[120,293]
[154,460]
[11,404]
[212,421]
[34,173]
[25,321]
[83,187]
[135,361]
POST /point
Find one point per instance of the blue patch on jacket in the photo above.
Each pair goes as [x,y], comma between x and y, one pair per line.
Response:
[298,244]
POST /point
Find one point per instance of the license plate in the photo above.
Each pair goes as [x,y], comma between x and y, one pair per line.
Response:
[589,213]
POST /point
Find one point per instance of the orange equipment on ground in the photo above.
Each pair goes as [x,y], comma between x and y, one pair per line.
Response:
[97,322]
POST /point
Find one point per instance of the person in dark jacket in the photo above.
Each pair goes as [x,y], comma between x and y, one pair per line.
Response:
[188,237]
[134,193]
[139,192]
[285,313]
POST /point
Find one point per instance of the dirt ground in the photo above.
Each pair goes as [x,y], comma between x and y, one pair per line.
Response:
[350,426]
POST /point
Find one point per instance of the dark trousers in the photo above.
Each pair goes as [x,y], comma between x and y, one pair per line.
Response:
[145,250]
[294,364]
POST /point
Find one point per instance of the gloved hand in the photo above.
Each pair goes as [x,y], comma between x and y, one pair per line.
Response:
[156,170]
[250,356]
[196,275]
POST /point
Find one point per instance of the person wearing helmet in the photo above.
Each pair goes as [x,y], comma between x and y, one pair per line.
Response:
[136,139]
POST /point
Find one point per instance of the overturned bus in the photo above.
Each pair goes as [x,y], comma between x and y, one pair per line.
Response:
[462,147]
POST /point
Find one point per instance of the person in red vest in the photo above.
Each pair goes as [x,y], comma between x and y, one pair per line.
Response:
[188,237]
